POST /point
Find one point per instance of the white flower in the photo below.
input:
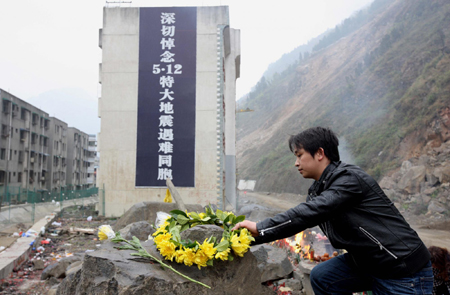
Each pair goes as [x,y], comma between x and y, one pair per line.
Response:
[105,232]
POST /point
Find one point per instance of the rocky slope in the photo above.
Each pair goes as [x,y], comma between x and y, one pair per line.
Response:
[384,88]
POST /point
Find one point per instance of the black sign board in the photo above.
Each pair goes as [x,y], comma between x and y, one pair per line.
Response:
[166,96]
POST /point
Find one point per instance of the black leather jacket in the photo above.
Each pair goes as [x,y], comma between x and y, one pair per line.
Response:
[355,214]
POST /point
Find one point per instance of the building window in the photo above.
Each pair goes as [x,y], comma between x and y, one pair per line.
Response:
[6,106]
[35,119]
[19,177]
[23,114]
[23,135]
[2,154]
[5,130]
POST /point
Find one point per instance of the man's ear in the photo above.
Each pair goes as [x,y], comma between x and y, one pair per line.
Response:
[320,154]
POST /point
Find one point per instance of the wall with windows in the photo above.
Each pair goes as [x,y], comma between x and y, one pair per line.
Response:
[33,147]
[76,161]
[24,143]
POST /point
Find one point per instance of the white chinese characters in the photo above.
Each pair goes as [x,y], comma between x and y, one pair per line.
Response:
[167,119]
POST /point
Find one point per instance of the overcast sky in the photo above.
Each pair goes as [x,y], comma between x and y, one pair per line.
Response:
[52,44]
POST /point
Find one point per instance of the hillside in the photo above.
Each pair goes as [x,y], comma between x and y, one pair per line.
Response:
[383,86]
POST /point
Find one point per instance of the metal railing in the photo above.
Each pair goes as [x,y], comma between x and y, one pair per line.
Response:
[19,204]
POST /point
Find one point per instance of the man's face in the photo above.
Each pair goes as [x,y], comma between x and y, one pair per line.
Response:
[307,165]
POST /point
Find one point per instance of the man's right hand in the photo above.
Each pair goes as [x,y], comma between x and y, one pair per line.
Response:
[249,225]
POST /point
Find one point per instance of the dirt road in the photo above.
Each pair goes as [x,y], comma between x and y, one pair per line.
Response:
[430,237]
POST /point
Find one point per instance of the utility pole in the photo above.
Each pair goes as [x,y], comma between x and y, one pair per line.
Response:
[29,156]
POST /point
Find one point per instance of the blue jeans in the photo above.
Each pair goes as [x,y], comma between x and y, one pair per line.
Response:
[339,276]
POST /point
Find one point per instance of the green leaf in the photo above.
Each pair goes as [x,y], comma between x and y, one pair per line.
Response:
[189,244]
[210,208]
[232,217]
[205,219]
[179,212]
[126,247]
[137,254]
[212,239]
[136,241]
[227,219]
[230,258]
[175,231]
[238,219]
[182,219]
[223,246]
[195,215]
[220,214]
[172,224]
[184,227]
[176,243]
[226,235]
[210,262]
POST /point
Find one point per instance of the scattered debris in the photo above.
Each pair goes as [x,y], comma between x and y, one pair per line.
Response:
[57,246]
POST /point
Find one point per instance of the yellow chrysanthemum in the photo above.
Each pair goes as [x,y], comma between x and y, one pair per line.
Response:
[244,237]
[161,229]
[188,256]
[223,255]
[201,258]
[167,249]
[162,238]
[105,232]
[179,256]
[238,248]
[202,215]
[208,249]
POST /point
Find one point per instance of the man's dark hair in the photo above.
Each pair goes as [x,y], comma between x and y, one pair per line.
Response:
[314,138]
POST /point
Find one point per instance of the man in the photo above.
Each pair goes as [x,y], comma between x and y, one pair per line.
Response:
[384,254]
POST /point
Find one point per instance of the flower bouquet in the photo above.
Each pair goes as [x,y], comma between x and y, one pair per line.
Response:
[201,253]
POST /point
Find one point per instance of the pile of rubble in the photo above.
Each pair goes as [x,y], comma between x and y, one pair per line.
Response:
[421,187]
[56,250]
